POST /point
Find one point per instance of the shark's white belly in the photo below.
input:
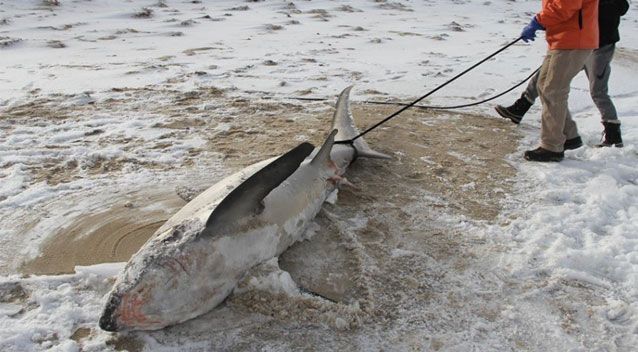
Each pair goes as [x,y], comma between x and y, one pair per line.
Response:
[216,264]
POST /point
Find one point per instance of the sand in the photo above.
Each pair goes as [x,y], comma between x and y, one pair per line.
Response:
[113,235]
[109,109]
[453,157]
[461,152]
[393,236]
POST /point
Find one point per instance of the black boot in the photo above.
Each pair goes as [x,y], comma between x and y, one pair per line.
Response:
[543,155]
[516,111]
[573,143]
[612,135]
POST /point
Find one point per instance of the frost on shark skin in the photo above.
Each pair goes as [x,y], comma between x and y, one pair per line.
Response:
[195,260]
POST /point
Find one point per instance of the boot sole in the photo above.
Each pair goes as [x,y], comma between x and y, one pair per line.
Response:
[550,160]
[531,156]
[508,115]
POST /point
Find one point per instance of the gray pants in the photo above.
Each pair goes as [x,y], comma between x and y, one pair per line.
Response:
[597,68]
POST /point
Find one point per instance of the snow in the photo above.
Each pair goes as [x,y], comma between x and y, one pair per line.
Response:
[566,240]
[55,306]
[271,279]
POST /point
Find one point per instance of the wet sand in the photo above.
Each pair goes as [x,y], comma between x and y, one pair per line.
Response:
[384,247]
[458,157]
[111,236]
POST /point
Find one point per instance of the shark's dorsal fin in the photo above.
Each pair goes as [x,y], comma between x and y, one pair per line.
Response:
[246,200]
[324,153]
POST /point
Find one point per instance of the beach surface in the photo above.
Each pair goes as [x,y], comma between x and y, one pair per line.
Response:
[113,114]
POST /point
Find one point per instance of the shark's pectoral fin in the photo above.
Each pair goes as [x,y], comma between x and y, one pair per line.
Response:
[247,199]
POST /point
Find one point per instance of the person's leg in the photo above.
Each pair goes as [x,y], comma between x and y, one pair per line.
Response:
[539,154]
[573,140]
[531,92]
[560,67]
[598,69]
[516,111]
[570,131]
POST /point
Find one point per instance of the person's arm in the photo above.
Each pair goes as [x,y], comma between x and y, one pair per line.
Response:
[616,7]
[558,11]
[622,6]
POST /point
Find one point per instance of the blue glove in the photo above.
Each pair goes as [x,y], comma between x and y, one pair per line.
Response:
[529,32]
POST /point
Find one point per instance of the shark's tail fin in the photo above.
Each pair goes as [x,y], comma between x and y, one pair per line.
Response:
[344,122]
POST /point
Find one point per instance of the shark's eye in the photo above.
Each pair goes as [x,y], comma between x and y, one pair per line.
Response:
[176,234]
[179,230]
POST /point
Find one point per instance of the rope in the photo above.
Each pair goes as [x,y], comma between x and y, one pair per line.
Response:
[407,106]
[451,107]
[432,107]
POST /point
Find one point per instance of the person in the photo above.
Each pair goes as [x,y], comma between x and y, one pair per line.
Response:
[572,34]
[597,69]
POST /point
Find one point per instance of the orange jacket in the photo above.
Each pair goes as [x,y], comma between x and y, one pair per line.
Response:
[570,24]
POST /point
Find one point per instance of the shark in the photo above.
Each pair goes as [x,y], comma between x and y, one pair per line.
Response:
[193,262]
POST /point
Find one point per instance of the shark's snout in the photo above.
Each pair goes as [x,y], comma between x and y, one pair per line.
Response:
[108,320]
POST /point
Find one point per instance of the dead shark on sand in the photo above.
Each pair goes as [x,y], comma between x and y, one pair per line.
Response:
[195,260]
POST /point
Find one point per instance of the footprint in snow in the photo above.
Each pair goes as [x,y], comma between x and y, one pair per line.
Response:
[56,44]
[239,8]
[348,8]
[188,23]
[320,14]
[395,6]
[273,27]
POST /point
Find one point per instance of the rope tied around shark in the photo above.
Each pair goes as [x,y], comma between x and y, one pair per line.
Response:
[407,106]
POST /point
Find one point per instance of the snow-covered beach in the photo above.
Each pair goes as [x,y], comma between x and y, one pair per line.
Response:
[110,109]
